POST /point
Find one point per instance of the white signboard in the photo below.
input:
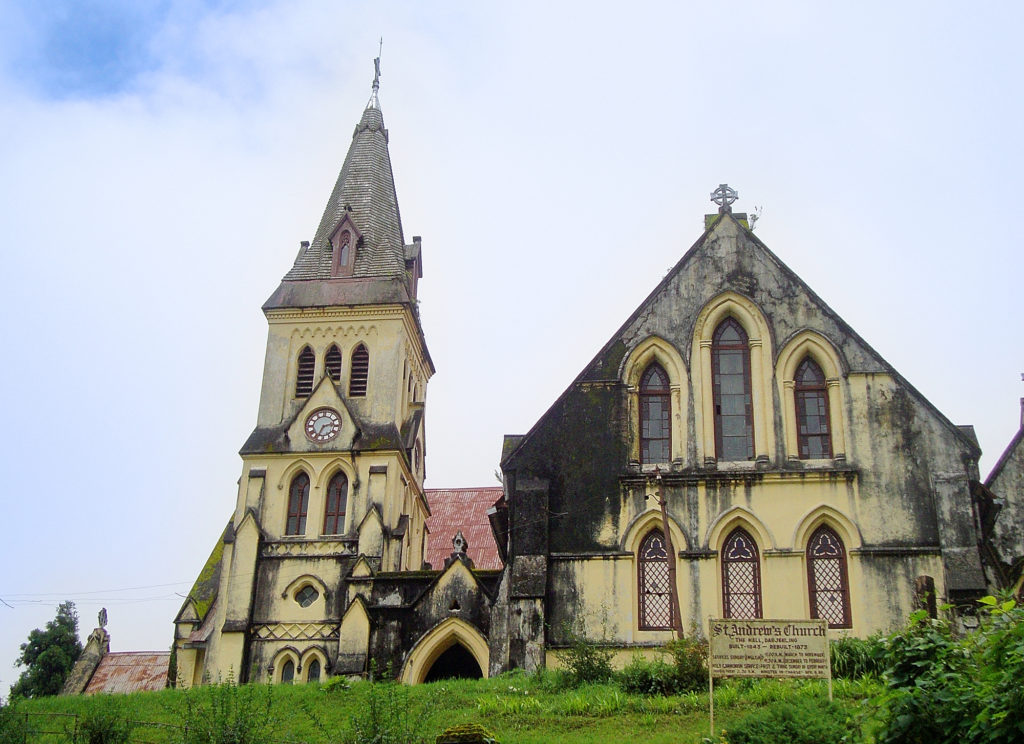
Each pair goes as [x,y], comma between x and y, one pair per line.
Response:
[769,648]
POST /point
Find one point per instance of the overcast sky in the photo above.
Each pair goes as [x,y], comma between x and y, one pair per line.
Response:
[160,162]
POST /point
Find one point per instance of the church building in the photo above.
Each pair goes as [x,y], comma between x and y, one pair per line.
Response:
[734,432]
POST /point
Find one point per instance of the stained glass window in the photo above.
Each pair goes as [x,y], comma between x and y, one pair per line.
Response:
[655,416]
[827,578]
[741,577]
[337,500]
[734,420]
[298,502]
[655,596]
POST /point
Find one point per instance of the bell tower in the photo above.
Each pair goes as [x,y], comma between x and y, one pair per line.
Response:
[333,472]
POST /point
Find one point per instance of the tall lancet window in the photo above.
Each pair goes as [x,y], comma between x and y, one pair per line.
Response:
[734,419]
[827,579]
[655,595]
[655,416]
[343,245]
[360,372]
[304,373]
[298,503]
[812,433]
[337,501]
[741,577]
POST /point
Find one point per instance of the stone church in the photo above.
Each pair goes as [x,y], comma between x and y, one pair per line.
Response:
[734,432]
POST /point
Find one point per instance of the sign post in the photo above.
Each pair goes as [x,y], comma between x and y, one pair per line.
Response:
[766,648]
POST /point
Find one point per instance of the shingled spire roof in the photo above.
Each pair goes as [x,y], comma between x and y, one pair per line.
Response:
[365,190]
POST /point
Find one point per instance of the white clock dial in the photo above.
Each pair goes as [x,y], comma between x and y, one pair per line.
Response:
[322,425]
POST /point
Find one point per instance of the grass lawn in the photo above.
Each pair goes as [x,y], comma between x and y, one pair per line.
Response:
[516,708]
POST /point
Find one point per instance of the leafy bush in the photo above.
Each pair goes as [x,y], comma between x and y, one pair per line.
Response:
[13,724]
[648,677]
[802,721]
[388,717]
[585,661]
[105,721]
[227,714]
[947,689]
[686,670]
[852,658]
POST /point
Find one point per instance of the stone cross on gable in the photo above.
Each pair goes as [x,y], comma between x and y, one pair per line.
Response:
[724,196]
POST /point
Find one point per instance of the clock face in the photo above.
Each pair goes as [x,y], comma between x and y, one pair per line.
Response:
[323,425]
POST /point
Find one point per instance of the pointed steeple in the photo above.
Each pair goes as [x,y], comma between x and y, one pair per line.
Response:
[365,195]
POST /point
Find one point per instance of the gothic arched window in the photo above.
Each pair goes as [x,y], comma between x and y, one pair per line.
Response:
[304,373]
[288,672]
[298,502]
[332,363]
[653,580]
[741,577]
[337,500]
[827,578]
[734,419]
[313,672]
[360,371]
[655,416]
[812,432]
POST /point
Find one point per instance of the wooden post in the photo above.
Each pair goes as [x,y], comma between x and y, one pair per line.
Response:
[677,615]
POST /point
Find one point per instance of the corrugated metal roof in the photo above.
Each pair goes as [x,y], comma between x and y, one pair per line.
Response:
[454,509]
[130,671]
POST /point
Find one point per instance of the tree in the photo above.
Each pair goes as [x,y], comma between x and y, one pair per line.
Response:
[49,655]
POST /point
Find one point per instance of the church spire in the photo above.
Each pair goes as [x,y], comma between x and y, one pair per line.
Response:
[363,197]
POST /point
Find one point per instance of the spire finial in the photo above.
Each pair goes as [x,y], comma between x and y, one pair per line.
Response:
[724,196]
[374,102]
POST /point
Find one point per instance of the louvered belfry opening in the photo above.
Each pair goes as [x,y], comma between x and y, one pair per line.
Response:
[741,577]
[655,594]
[827,578]
[304,374]
[332,363]
[360,372]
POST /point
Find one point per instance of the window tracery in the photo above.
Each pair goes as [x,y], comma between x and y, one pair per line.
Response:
[741,577]
[653,580]
[827,578]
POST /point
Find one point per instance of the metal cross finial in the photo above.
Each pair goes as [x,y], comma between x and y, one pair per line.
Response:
[724,196]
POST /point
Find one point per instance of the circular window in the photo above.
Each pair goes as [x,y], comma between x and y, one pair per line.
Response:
[306,596]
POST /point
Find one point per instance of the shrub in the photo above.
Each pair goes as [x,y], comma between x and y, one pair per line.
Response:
[690,658]
[686,670]
[387,717]
[104,721]
[648,677]
[947,689]
[853,658]
[585,661]
[227,714]
[13,723]
[802,721]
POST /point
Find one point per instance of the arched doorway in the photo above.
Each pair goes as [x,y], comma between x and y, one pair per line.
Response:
[455,663]
[452,648]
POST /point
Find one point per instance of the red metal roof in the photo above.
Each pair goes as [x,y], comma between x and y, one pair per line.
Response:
[454,509]
[130,671]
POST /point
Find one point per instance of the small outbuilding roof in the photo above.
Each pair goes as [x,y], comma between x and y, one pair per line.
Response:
[130,671]
[462,509]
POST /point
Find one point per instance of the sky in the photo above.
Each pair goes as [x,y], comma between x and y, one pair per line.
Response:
[161,161]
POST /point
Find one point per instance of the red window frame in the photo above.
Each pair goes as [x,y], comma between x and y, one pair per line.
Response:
[337,502]
[828,581]
[298,503]
[653,589]
[812,411]
[720,351]
[655,397]
[741,577]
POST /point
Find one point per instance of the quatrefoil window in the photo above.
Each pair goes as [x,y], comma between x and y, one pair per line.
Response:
[306,596]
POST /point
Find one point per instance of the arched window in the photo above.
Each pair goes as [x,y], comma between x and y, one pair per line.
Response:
[332,362]
[653,580]
[288,672]
[734,419]
[304,375]
[741,577]
[827,579]
[655,416]
[812,433]
[337,500]
[313,672]
[298,502]
[360,371]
